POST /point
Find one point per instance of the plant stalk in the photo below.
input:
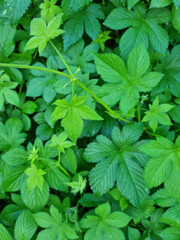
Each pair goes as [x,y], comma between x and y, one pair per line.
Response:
[34,68]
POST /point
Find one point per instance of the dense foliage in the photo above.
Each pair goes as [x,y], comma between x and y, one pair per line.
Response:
[90,119]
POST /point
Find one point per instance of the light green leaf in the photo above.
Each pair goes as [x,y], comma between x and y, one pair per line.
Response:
[43,33]
[4,234]
[35,178]
[25,226]
[72,114]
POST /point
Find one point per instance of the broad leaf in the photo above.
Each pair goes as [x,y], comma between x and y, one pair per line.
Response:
[25,226]
[118,154]
[106,222]
[72,114]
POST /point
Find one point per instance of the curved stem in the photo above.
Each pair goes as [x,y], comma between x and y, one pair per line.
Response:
[101,102]
[34,68]
[55,48]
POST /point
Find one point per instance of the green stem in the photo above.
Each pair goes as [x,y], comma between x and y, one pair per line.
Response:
[59,165]
[73,83]
[101,102]
[64,171]
[152,134]
[139,112]
[103,3]
[55,48]
[34,68]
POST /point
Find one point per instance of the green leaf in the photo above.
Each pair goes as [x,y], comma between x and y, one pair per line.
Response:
[16,156]
[163,157]
[7,40]
[131,3]
[29,107]
[157,114]
[35,199]
[160,3]
[55,178]
[102,177]
[163,198]
[133,234]
[125,84]
[72,114]
[54,225]
[43,33]
[84,19]
[35,178]
[15,10]
[10,134]
[119,154]
[138,60]
[4,234]
[119,18]
[105,222]
[171,217]
[14,178]
[69,161]
[49,10]
[176,18]
[25,226]
[170,233]
[143,26]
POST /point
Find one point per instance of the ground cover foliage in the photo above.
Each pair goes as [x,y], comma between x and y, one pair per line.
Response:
[90,119]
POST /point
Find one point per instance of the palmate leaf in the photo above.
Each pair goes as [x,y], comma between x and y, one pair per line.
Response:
[42,33]
[116,161]
[157,114]
[143,26]
[72,114]
[104,224]
[83,20]
[55,227]
[125,84]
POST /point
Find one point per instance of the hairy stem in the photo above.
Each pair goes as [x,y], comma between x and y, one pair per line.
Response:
[34,68]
